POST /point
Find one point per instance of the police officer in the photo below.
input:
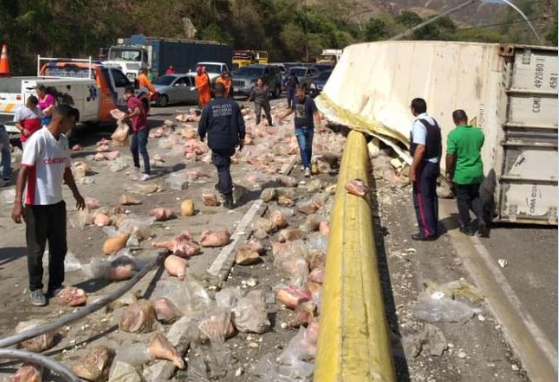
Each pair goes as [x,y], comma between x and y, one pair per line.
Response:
[426,149]
[224,125]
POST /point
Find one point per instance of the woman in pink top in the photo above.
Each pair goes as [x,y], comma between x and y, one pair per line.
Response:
[46,104]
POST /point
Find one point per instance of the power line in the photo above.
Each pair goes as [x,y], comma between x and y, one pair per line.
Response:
[508,23]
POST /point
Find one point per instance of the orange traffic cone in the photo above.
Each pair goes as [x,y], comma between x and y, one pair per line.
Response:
[4,63]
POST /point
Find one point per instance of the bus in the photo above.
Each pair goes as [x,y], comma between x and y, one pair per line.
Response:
[248,57]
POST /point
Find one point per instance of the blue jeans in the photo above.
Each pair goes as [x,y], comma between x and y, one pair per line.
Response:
[304,139]
[290,97]
[6,154]
[139,145]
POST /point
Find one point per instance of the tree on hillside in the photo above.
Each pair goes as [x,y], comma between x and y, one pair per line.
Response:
[375,30]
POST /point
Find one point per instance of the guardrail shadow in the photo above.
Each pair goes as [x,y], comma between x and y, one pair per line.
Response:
[399,357]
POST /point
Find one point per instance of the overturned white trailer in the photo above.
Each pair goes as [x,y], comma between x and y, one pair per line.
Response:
[509,91]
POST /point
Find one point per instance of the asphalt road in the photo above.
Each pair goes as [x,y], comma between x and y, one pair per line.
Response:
[531,254]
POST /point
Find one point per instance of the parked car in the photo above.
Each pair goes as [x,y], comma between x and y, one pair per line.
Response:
[176,88]
[214,69]
[318,84]
[245,79]
[305,75]
[323,67]
[282,69]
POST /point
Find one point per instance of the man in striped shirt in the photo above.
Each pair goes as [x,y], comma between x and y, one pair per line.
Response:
[45,166]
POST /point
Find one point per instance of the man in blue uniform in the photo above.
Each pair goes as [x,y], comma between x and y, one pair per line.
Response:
[223,124]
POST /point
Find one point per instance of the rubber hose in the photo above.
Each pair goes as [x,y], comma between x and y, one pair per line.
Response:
[41,360]
[52,326]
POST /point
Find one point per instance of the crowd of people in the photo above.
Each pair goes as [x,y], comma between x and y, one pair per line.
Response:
[46,162]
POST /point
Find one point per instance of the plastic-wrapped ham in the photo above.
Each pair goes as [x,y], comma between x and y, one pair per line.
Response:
[162,214]
[357,187]
[292,296]
[182,245]
[159,347]
[215,238]
[122,268]
[94,367]
[37,344]
[72,296]
[138,318]
[127,200]
[176,266]
[28,373]
[166,312]
[210,199]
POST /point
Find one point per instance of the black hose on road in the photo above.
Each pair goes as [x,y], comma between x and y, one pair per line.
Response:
[51,327]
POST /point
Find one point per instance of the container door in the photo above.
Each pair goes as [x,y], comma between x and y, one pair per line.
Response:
[528,179]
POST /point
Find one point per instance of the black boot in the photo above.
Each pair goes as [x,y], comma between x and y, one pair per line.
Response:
[229,203]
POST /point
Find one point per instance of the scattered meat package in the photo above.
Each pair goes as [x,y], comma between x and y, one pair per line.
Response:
[37,344]
[120,135]
[357,187]
[250,314]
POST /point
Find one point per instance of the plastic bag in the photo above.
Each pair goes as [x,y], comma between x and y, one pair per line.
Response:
[215,324]
[443,310]
[302,347]
[250,314]
[317,241]
[134,355]
[453,289]
[228,297]
[189,296]
[208,362]
[311,223]
[178,181]
[81,219]
[124,372]
[118,164]
[71,262]
[135,225]
[269,370]
[300,273]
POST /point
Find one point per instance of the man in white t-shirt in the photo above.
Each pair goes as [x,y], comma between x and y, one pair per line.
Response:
[44,167]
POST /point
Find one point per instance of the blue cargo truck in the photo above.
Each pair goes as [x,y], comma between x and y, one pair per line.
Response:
[157,53]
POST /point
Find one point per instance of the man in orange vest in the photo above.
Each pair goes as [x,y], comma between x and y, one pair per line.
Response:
[144,82]
[225,80]
[203,86]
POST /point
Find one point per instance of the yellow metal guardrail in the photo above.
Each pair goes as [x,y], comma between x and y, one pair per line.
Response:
[353,343]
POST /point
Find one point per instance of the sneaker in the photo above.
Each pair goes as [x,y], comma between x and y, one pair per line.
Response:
[307,172]
[302,168]
[483,229]
[467,230]
[38,297]
[216,187]
[146,177]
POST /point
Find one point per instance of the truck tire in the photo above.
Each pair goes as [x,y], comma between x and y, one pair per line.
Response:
[162,101]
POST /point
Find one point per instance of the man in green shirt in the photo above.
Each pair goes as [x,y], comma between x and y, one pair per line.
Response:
[464,168]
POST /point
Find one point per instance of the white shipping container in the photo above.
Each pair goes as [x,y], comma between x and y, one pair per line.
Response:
[509,91]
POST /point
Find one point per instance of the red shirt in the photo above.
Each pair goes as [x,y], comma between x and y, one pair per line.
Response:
[170,71]
[140,121]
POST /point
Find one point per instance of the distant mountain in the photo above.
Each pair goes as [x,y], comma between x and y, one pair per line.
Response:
[481,13]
